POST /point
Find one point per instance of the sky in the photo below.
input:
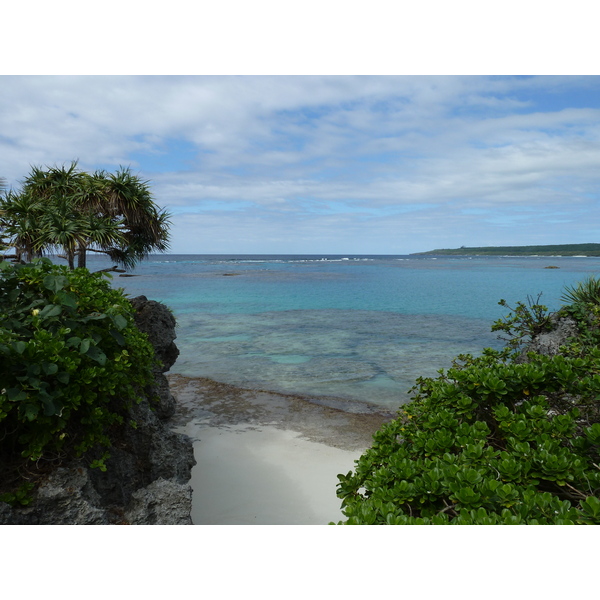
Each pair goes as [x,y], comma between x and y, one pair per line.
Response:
[277,164]
[321,126]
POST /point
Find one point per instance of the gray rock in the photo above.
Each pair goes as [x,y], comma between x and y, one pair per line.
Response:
[549,342]
[164,403]
[65,498]
[148,472]
[163,502]
[157,321]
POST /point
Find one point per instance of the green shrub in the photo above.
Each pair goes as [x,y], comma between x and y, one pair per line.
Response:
[587,292]
[524,322]
[72,361]
[491,440]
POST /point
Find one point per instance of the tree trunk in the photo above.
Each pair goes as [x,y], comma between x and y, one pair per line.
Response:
[81,256]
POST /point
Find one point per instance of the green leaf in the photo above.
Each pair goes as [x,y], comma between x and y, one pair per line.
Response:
[34,370]
[16,394]
[20,347]
[50,368]
[50,310]
[591,506]
[593,433]
[95,316]
[31,411]
[120,321]
[63,377]
[55,283]
[118,337]
[85,345]
[73,341]
[49,407]
[68,299]
[96,354]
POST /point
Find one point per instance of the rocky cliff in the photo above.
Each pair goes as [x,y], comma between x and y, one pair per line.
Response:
[148,473]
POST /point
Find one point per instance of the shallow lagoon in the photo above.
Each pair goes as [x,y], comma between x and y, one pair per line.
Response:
[356,328]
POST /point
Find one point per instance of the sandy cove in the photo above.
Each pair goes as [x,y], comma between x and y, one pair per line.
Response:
[265,458]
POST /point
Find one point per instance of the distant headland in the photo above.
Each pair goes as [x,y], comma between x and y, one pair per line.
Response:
[552,250]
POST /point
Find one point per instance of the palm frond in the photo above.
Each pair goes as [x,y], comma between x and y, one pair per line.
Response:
[586,291]
[63,207]
[105,232]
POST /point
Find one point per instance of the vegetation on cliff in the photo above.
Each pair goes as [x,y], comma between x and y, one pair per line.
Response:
[72,362]
[511,437]
[546,250]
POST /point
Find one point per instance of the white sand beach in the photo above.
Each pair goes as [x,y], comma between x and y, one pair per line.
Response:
[266,476]
[265,458]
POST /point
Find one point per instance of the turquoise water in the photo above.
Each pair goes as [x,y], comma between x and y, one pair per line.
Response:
[358,328]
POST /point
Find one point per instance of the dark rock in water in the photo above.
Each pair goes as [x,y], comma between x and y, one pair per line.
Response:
[148,472]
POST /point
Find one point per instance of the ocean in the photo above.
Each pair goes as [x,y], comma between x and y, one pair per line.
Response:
[331,329]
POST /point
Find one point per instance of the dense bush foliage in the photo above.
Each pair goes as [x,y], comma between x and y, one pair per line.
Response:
[72,362]
[497,439]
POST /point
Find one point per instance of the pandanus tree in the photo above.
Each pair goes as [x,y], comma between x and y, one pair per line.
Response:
[75,212]
[124,200]
[3,243]
[20,217]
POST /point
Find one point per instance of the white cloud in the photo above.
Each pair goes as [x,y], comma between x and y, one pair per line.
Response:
[291,153]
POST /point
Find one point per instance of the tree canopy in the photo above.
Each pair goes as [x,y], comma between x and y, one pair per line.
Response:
[66,210]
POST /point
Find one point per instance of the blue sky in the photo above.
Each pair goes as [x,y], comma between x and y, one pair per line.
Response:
[328,164]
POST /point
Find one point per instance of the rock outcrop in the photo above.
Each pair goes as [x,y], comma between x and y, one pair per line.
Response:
[562,328]
[148,472]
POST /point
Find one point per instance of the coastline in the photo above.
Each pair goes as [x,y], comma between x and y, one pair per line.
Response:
[267,458]
[545,250]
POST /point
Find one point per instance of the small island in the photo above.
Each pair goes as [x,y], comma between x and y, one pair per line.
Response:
[548,250]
